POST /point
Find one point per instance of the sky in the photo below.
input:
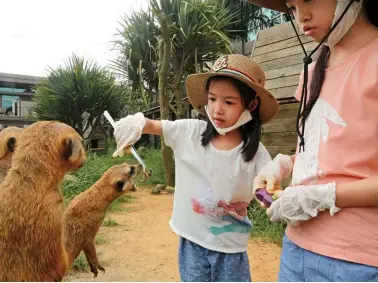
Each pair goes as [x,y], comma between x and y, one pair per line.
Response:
[37,34]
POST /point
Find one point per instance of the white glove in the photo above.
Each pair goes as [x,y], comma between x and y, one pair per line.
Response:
[298,204]
[273,173]
[128,131]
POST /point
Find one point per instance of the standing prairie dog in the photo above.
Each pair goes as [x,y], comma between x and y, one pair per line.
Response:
[86,212]
[31,210]
[8,139]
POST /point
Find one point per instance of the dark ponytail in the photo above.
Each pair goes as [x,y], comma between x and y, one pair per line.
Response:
[316,82]
[252,134]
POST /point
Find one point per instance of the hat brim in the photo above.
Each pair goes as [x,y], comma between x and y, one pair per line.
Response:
[277,5]
[196,91]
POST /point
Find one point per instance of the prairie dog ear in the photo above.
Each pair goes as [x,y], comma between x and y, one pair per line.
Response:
[11,144]
[67,148]
[73,151]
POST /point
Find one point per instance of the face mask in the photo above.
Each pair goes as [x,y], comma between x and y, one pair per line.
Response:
[244,118]
[346,22]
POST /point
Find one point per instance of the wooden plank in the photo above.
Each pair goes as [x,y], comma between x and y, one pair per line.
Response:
[287,113]
[277,30]
[282,82]
[284,71]
[285,52]
[279,139]
[276,34]
[284,92]
[287,100]
[282,62]
[286,43]
[280,125]
[293,106]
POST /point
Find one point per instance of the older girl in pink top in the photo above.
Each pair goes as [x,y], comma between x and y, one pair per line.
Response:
[331,206]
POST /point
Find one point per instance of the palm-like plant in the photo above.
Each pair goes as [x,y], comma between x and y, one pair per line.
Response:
[77,94]
[199,30]
[136,61]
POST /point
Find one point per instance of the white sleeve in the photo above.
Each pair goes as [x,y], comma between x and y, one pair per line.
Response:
[262,157]
[181,131]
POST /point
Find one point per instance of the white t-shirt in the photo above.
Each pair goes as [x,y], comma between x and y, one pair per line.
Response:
[213,188]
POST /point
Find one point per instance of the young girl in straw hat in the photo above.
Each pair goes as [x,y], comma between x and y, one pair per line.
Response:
[215,162]
[331,205]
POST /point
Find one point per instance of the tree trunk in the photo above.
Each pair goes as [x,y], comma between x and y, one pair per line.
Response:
[179,71]
[164,59]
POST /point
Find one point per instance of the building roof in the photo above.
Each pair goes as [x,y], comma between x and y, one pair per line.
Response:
[17,81]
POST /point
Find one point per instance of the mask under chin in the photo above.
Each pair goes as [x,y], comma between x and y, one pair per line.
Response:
[244,118]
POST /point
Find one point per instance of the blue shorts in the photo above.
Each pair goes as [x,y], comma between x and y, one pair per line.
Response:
[301,265]
[198,264]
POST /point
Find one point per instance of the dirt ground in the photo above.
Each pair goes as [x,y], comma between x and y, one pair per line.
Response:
[144,248]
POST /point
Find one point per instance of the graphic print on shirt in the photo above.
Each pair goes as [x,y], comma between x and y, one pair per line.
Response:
[217,210]
[306,167]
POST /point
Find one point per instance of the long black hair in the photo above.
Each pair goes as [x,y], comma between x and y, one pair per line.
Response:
[251,131]
[370,8]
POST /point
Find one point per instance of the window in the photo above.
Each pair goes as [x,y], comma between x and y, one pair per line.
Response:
[7,100]
[11,90]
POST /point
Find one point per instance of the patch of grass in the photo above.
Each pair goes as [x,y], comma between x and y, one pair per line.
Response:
[116,205]
[126,199]
[109,222]
[80,263]
[154,161]
[262,227]
[100,240]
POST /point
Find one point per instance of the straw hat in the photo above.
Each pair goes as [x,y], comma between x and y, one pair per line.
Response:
[278,5]
[238,67]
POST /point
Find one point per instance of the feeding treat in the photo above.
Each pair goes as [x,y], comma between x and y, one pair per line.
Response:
[263,196]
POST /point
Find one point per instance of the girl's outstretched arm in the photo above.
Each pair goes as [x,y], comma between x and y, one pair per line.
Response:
[362,193]
[153,127]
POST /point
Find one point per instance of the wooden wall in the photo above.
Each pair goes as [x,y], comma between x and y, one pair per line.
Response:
[279,135]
